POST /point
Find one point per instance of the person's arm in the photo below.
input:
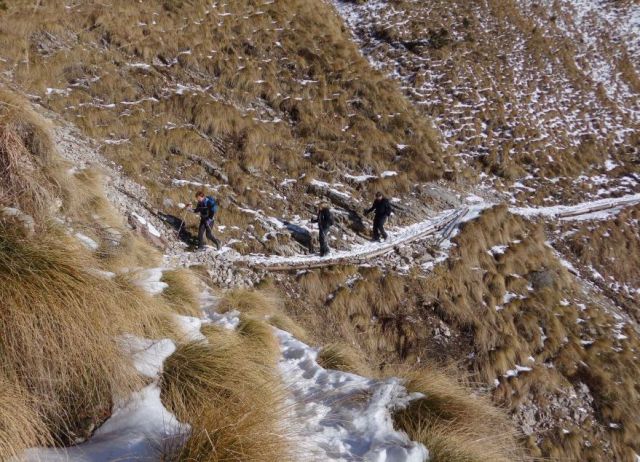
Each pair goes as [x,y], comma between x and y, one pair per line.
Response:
[370,209]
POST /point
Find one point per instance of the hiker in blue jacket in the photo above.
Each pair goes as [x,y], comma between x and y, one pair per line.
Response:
[207,207]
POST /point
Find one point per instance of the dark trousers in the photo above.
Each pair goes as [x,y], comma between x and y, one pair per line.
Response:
[205,227]
[378,227]
[323,235]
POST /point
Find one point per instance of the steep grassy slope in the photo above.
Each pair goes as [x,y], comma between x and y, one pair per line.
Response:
[542,96]
[256,101]
[262,90]
[606,252]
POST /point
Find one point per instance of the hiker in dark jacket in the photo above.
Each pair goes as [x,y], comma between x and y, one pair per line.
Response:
[382,209]
[206,206]
[325,221]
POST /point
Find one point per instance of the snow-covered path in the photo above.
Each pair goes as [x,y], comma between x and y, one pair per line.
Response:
[439,227]
[336,415]
[342,416]
[441,224]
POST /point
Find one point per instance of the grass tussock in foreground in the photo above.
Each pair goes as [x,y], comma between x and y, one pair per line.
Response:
[60,327]
[20,425]
[231,399]
[453,423]
[62,315]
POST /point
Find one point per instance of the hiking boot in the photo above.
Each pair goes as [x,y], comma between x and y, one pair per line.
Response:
[217,243]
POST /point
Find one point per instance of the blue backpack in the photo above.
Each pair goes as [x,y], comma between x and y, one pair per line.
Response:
[212,205]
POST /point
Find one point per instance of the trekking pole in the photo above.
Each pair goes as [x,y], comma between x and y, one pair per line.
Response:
[184,215]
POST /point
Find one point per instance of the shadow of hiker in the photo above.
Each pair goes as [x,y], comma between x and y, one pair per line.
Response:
[181,227]
[355,222]
[300,235]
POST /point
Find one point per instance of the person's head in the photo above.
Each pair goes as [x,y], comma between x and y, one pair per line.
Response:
[379,195]
[200,196]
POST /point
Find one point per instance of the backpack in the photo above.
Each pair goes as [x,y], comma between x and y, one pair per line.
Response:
[330,221]
[212,205]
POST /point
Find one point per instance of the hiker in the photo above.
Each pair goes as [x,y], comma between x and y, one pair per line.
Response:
[325,221]
[207,208]
[382,209]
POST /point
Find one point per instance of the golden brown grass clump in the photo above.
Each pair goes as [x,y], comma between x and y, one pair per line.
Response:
[453,423]
[262,305]
[20,425]
[60,328]
[183,294]
[364,308]
[61,319]
[344,358]
[231,399]
[29,170]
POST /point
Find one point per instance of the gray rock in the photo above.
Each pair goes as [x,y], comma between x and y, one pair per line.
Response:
[25,220]
[542,279]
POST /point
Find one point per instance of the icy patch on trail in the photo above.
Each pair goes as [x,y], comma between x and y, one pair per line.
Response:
[397,237]
[599,209]
[140,426]
[342,416]
[190,327]
[147,355]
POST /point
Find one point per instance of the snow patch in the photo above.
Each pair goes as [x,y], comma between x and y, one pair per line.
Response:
[342,416]
[87,241]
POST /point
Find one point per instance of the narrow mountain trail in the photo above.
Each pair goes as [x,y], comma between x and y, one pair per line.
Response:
[129,198]
[440,228]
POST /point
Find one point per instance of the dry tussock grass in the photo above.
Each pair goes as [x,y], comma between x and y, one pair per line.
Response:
[61,321]
[364,308]
[230,398]
[264,305]
[343,357]
[130,252]
[287,60]
[260,339]
[183,294]
[60,327]
[453,423]
[20,425]
[29,170]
